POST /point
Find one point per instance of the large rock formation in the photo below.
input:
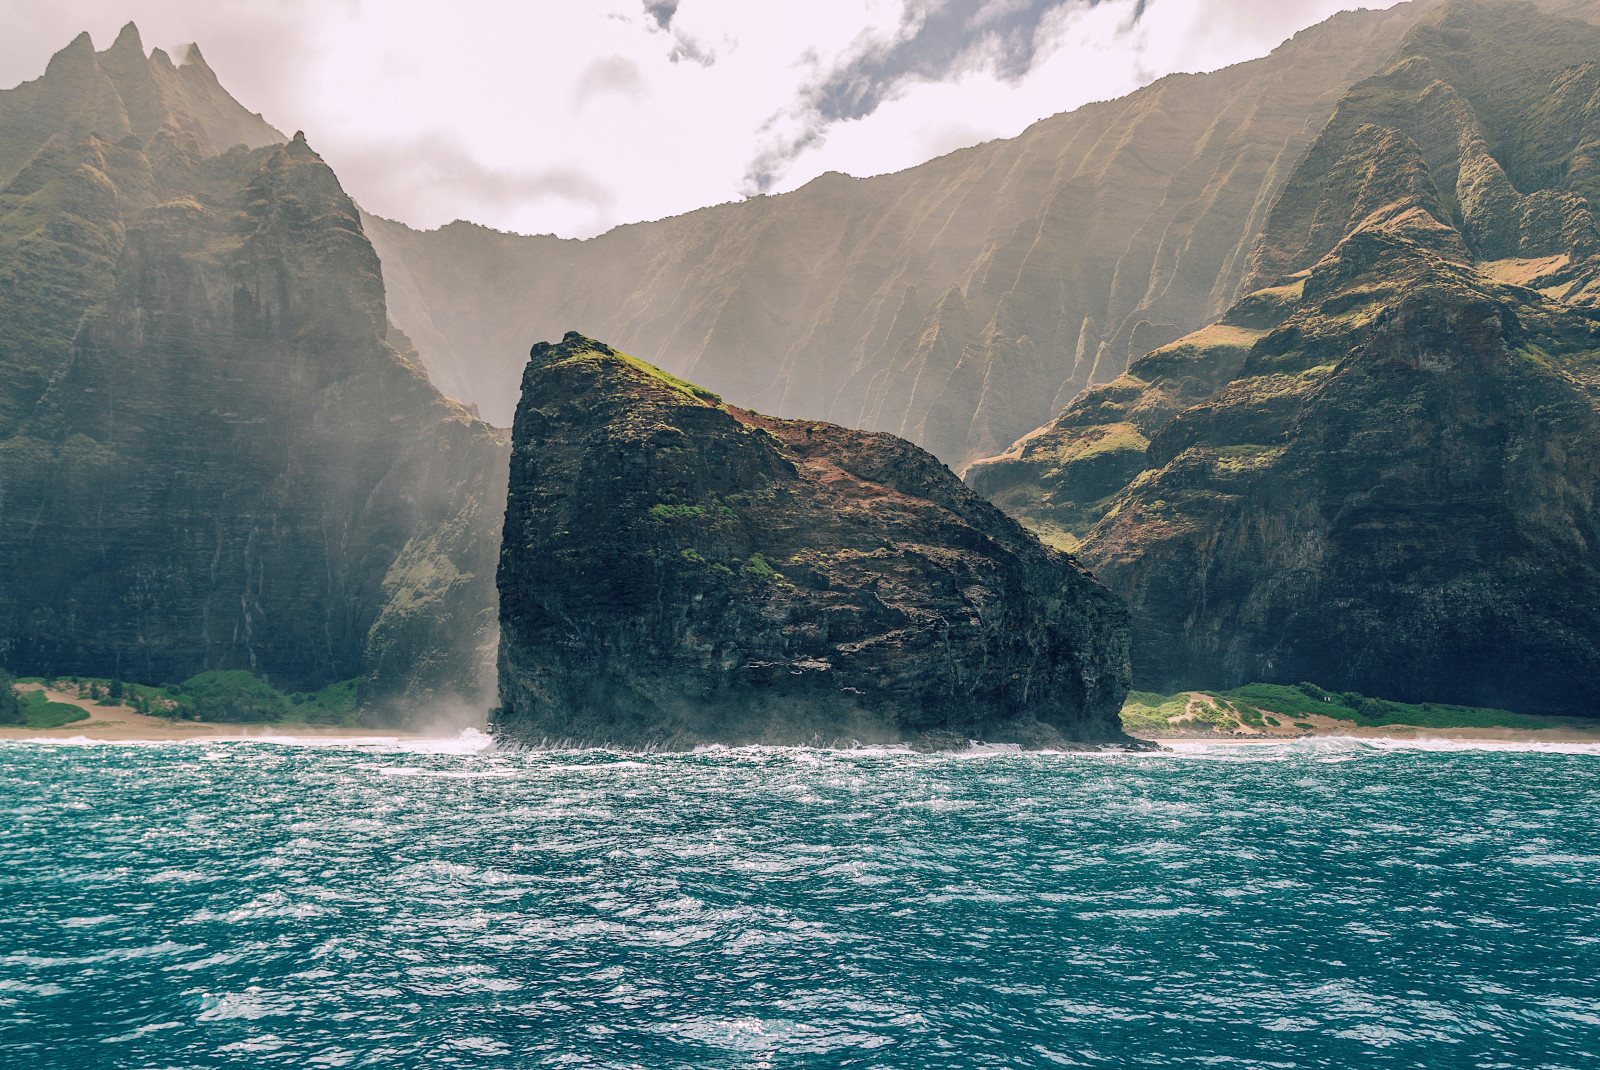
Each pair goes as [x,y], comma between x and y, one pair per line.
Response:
[1380,470]
[677,571]
[213,455]
[957,304]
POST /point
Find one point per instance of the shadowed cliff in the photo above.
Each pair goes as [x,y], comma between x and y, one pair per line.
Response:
[678,571]
[211,455]
[1379,469]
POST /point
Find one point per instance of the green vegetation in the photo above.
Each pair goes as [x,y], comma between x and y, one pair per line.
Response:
[334,704]
[223,697]
[676,512]
[229,697]
[715,510]
[1147,711]
[40,712]
[10,701]
[1078,446]
[592,350]
[758,567]
[236,697]
[669,379]
[1255,705]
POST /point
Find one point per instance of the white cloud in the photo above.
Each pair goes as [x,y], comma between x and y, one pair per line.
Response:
[573,117]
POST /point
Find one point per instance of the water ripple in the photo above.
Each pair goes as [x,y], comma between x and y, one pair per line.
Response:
[1325,904]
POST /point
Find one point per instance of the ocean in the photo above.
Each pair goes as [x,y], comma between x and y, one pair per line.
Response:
[1326,903]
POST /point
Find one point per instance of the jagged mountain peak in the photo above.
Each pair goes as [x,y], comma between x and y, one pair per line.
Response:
[77,50]
[181,283]
[192,59]
[122,92]
[127,41]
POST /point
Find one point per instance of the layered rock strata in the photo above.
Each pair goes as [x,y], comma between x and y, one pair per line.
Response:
[1379,470]
[678,571]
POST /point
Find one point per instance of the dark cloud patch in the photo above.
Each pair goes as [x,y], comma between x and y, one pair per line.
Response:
[661,11]
[937,40]
[659,14]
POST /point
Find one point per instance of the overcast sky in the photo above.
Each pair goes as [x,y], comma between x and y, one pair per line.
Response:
[571,116]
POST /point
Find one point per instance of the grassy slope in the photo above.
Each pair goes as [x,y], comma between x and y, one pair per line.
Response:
[1282,707]
[333,705]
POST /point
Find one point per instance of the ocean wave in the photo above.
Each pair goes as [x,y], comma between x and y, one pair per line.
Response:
[1322,902]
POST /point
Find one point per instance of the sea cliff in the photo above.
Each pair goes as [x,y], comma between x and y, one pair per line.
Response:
[677,571]
[1379,469]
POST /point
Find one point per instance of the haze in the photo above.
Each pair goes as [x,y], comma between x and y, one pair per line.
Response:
[571,118]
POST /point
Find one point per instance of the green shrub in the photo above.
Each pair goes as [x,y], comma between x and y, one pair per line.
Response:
[231,697]
[1306,698]
[676,512]
[334,704]
[46,714]
[758,567]
[1148,711]
[10,701]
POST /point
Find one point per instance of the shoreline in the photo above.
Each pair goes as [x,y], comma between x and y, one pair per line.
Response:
[122,724]
[1399,734]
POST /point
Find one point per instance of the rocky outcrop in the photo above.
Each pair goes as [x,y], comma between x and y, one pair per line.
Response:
[678,571]
[1379,471]
[958,303]
[211,454]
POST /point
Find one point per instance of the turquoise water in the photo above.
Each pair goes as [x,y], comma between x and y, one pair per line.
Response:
[1307,905]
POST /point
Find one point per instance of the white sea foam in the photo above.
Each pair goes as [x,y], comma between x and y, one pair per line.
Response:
[471,741]
[1344,747]
[467,741]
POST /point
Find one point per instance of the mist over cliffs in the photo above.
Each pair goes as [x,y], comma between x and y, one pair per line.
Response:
[958,304]
[213,453]
[1296,356]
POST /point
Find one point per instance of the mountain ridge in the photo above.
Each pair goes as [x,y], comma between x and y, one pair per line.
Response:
[947,303]
[213,453]
[1378,470]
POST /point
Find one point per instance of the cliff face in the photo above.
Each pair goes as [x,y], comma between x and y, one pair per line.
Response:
[677,571]
[1379,470]
[957,304]
[211,456]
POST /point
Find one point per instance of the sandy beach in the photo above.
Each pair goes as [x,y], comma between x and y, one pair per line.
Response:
[123,723]
[1507,736]
[1562,730]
